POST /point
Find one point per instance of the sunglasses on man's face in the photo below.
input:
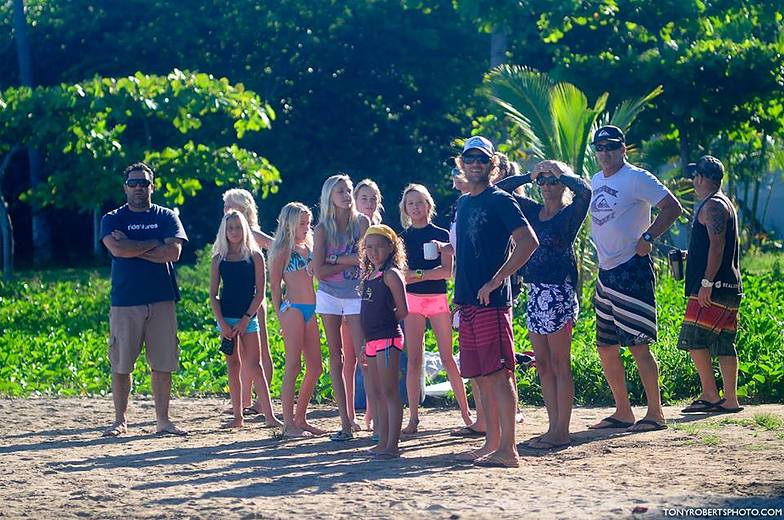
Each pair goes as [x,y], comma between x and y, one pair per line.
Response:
[472,158]
[133,183]
[547,181]
[609,147]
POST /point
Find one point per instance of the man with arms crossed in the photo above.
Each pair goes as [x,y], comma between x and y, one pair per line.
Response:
[625,300]
[713,287]
[489,224]
[144,239]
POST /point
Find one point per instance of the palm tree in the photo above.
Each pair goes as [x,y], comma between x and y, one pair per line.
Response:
[555,122]
[554,117]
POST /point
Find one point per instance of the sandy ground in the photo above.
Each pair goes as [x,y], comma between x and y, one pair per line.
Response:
[54,464]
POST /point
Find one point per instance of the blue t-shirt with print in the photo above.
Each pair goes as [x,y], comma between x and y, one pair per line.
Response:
[136,281]
[484,227]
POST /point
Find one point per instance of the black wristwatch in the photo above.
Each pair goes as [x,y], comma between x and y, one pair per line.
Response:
[647,237]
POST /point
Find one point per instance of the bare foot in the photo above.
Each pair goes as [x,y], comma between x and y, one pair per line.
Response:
[169,428]
[411,428]
[355,427]
[237,422]
[295,432]
[387,454]
[270,421]
[115,430]
[468,419]
[368,423]
[306,426]
[520,417]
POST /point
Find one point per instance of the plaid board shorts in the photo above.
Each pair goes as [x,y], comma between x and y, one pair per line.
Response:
[714,327]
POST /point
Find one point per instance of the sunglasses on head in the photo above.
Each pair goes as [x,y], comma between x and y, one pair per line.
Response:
[133,183]
[609,147]
[474,157]
[547,181]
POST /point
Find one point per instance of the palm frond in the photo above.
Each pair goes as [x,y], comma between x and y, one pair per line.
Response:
[627,110]
[524,94]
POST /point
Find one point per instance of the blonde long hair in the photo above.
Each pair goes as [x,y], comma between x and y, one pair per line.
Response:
[243,200]
[285,235]
[405,220]
[371,184]
[327,210]
[221,246]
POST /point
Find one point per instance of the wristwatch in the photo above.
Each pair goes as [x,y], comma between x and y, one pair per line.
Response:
[419,273]
[332,259]
[706,283]
[647,237]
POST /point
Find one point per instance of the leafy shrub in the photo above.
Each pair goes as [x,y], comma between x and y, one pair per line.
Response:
[54,325]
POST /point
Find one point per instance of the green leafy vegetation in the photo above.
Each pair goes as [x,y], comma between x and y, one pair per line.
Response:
[55,324]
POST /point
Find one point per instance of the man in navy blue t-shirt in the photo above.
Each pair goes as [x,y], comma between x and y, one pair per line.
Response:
[493,240]
[144,240]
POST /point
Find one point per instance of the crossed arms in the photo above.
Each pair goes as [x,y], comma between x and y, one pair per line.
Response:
[157,251]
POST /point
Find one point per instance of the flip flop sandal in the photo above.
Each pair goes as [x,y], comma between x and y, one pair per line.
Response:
[466,431]
[721,409]
[496,462]
[702,406]
[655,426]
[612,423]
[547,446]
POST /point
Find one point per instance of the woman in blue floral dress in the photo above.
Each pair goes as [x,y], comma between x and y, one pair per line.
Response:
[551,276]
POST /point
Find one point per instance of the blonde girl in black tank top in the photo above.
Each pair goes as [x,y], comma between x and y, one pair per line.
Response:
[238,266]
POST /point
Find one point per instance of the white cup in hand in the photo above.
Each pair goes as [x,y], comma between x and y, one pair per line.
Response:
[430,250]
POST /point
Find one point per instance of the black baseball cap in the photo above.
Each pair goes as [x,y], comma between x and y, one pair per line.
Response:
[707,166]
[609,133]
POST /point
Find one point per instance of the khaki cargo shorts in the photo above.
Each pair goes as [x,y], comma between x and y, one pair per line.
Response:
[154,324]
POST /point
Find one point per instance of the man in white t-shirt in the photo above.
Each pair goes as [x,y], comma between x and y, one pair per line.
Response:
[625,300]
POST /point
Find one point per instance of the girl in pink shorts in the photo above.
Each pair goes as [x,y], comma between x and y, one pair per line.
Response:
[382,262]
[427,300]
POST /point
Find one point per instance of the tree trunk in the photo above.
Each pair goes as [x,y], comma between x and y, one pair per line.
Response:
[756,224]
[6,227]
[97,250]
[42,243]
[683,142]
[498,46]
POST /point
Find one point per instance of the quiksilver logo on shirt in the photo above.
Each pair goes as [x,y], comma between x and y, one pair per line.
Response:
[141,227]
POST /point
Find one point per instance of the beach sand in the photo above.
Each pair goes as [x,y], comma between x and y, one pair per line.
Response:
[55,464]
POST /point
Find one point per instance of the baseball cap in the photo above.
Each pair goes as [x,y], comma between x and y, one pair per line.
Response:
[482,144]
[609,133]
[707,166]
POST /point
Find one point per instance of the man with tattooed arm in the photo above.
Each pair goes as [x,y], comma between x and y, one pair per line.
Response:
[713,286]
